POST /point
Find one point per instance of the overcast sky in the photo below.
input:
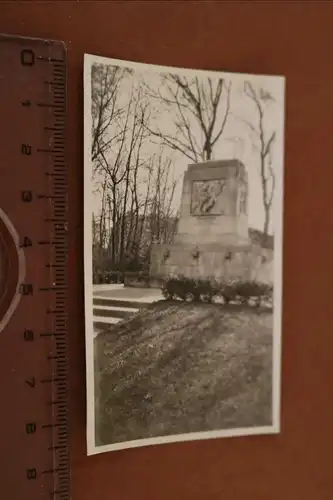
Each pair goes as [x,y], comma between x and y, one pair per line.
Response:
[236,142]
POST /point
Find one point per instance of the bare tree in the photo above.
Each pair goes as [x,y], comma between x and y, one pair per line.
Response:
[110,126]
[122,167]
[134,183]
[263,142]
[130,197]
[105,81]
[117,156]
[161,214]
[95,248]
[194,106]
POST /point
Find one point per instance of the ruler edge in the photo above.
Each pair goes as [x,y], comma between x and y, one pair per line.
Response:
[6,37]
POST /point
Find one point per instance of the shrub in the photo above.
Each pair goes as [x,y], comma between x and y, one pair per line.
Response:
[184,288]
[205,290]
[228,292]
[247,290]
[179,287]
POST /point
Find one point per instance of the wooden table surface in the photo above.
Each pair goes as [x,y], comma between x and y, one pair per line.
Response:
[294,39]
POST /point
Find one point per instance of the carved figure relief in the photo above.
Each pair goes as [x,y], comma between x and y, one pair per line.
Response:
[209,197]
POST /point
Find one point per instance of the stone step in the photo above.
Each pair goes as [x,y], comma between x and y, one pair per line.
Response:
[119,303]
[102,323]
[114,312]
[96,331]
[100,328]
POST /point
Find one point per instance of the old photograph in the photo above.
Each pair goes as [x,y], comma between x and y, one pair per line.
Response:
[183,211]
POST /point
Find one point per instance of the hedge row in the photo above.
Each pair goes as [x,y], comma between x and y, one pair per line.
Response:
[104,276]
[199,290]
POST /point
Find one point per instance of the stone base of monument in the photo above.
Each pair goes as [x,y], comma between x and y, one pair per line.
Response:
[212,238]
[215,261]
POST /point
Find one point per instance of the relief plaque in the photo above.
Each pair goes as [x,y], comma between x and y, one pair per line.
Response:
[210,197]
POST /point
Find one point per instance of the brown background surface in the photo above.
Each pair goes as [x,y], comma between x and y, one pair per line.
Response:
[294,39]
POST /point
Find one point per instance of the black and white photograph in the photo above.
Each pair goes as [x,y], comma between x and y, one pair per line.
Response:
[183,233]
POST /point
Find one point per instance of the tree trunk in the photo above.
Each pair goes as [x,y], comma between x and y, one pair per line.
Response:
[266,223]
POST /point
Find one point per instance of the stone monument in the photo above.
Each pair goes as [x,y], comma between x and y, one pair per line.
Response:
[214,204]
[212,239]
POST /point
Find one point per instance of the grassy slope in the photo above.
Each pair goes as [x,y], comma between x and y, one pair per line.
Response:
[178,368]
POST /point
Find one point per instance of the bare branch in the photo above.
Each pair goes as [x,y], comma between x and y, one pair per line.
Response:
[175,144]
[196,106]
[225,116]
[267,147]
[267,176]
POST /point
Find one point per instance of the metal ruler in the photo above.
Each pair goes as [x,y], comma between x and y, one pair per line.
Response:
[34,450]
